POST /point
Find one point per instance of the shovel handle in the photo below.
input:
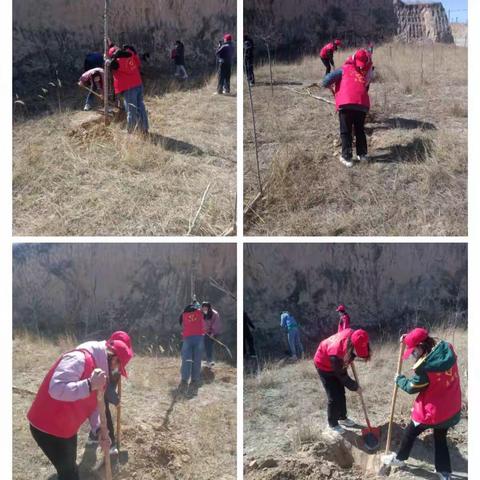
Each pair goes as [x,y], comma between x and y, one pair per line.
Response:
[355,376]
[394,399]
[119,413]
[104,432]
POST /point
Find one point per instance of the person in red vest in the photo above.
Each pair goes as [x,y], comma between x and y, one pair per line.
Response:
[193,332]
[438,404]
[350,85]
[326,54]
[67,397]
[111,395]
[344,318]
[127,80]
[332,359]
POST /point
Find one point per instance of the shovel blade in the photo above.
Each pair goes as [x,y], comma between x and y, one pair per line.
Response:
[371,438]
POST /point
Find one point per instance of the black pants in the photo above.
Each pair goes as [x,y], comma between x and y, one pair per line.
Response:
[337,403]
[62,453]
[224,73]
[442,455]
[328,65]
[349,120]
[111,429]
[250,73]
[248,345]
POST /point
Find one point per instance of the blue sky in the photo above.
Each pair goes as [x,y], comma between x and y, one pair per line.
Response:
[456,5]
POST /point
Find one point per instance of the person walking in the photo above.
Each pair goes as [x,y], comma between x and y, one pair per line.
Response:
[343,318]
[437,407]
[350,85]
[248,58]
[212,330]
[67,398]
[289,323]
[326,54]
[127,80]
[193,332]
[178,57]
[332,359]
[224,54]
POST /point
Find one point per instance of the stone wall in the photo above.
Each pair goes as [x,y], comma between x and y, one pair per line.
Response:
[423,21]
[55,35]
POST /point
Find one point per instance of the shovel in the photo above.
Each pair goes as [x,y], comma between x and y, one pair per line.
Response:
[104,432]
[371,435]
[119,413]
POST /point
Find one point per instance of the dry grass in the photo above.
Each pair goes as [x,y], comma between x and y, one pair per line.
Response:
[106,182]
[286,420]
[416,182]
[165,439]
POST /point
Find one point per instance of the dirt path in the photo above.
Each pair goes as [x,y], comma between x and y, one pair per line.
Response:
[164,437]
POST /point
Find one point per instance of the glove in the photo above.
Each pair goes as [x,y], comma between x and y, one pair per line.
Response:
[98,379]
[397,376]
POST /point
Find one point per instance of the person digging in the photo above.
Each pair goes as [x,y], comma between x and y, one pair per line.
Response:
[67,397]
[92,80]
[224,54]
[438,404]
[326,55]
[333,357]
[212,331]
[112,396]
[290,325]
[193,332]
[350,85]
[343,318]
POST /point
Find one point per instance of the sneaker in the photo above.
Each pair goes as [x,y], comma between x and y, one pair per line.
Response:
[444,475]
[338,429]
[362,158]
[92,438]
[87,107]
[391,459]
[347,422]
[211,364]
[347,163]
[182,388]
[113,450]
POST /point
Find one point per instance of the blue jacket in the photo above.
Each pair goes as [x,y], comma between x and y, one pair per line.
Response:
[287,321]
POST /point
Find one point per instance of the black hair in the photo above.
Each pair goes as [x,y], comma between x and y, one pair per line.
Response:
[427,345]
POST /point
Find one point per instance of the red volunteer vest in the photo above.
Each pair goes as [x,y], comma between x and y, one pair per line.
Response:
[336,345]
[352,89]
[327,50]
[127,75]
[441,400]
[193,323]
[58,418]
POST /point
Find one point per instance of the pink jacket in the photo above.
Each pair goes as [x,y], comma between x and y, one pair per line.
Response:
[212,325]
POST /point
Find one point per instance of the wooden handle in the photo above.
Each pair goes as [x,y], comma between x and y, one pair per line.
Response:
[355,376]
[119,413]
[394,398]
[104,432]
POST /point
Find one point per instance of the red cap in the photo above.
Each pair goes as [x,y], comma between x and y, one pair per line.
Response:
[111,51]
[123,336]
[362,59]
[227,37]
[123,353]
[360,343]
[337,43]
[341,308]
[412,339]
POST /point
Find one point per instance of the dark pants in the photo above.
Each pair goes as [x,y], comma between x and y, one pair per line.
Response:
[328,65]
[349,120]
[442,455]
[224,73]
[337,403]
[111,429]
[209,343]
[250,73]
[62,453]
[248,345]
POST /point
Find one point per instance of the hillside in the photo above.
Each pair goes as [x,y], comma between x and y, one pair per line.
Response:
[416,180]
[164,438]
[74,177]
[285,435]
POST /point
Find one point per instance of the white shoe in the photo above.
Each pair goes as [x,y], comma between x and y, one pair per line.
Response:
[391,459]
[362,158]
[211,364]
[338,429]
[444,475]
[86,108]
[347,422]
[347,163]
[113,450]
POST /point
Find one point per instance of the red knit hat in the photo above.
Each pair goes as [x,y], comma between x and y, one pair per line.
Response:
[341,308]
[227,37]
[122,352]
[123,336]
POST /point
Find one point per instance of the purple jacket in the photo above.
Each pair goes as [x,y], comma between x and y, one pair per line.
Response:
[212,324]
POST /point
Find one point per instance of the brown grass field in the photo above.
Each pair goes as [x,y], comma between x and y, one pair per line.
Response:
[101,181]
[162,437]
[416,181]
[285,422]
